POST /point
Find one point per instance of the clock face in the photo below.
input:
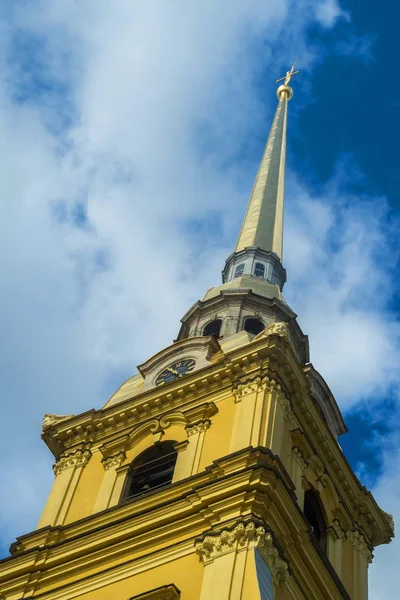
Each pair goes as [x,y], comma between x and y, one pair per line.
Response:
[178,369]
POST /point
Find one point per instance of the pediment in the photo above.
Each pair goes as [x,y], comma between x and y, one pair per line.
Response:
[200,349]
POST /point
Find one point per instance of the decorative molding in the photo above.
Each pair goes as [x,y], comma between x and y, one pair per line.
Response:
[299,457]
[198,413]
[244,537]
[338,530]
[51,419]
[77,458]
[300,440]
[254,384]
[358,541]
[279,567]
[181,446]
[279,329]
[317,466]
[198,427]
[389,519]
[115,460]
[287,409]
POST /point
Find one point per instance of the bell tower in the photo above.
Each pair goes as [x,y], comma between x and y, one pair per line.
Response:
[216,471]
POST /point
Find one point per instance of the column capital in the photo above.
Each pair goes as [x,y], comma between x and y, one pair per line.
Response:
[244,537]
[336,532]
[358,541]
[115,460]
[73,458]
[299,457]
[198,427]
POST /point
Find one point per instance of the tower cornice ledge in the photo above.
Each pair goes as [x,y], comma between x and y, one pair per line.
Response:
[247,485]
[271,359]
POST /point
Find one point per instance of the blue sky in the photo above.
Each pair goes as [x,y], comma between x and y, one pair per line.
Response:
[130,137]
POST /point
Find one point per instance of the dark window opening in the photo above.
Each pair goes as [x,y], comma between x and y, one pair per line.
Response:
[314,515]
[213,328]
[239,270]
[152,469]
[259,269]
[254,326]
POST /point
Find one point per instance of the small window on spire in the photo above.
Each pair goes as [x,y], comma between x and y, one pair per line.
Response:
[213,328]
[259,270]
[274,279]
[254,326]
[239,270]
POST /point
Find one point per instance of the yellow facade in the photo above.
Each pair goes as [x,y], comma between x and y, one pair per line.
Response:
[247,494]
[250,441]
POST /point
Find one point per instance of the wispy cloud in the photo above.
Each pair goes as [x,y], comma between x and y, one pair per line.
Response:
[341,252]
[329,12]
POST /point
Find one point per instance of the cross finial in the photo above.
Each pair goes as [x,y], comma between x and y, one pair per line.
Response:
[289,74]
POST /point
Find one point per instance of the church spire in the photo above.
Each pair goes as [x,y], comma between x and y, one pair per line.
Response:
[258,251]
[263,223]
[250,296]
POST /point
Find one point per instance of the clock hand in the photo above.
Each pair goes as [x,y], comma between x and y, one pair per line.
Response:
[174,371]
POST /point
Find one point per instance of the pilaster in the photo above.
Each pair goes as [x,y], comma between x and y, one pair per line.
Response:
[110,464]
[227,557]
[336,537]
[187,463]
[260,416]
[67,470]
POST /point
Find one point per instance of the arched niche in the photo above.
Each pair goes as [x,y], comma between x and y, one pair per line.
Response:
[253,325]
[213,328]
[151,470]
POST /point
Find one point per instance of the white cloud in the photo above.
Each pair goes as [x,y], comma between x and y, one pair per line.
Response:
[340,255]
[328,12]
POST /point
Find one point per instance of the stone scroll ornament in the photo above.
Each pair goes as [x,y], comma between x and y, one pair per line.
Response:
[244,537]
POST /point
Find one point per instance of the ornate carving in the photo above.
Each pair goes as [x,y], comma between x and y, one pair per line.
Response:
[240,538]
[115,460]
[280,329]
[389,519]
[249,386]
[77,458]
[358,541]
[317,465]
[50,419]
[338,529]
[287,409]
[299,457]
[198,427]
[278,566]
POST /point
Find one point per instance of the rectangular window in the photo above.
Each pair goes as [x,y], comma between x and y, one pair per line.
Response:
[239,270]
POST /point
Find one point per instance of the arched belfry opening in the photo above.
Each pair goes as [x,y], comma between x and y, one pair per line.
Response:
[213,328]
[253,325]
[314,514]
[153,468]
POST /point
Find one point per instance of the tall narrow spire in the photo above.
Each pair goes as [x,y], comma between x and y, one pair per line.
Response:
[250,296]
[263,223]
